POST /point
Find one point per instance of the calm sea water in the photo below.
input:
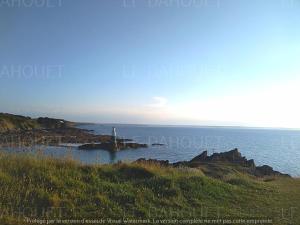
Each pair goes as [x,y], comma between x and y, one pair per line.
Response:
[277,148]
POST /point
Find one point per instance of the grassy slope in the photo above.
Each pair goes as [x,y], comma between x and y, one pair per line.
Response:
[13,122]
[138,191]
[10,122]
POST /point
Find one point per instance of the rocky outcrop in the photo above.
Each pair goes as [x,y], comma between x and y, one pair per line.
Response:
[201,157]
[110,146]
[265,170]
[233,156]
[157,144]
[218,163]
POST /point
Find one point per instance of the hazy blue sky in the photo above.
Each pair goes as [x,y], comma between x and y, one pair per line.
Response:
[204,62]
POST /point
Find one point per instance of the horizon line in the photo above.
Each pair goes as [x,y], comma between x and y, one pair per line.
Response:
[166,125]
[194,126]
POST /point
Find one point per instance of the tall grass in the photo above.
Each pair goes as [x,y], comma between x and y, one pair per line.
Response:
[35,186]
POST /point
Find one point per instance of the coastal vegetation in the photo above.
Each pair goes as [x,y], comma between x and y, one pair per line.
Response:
[36,189]
[10,122]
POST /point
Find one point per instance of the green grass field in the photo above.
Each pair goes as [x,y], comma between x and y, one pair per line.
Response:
[36,187]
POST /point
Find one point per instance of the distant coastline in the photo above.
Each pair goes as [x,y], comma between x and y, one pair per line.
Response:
[23,131]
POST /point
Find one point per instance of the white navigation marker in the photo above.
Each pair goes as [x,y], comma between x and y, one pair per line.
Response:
[114,138]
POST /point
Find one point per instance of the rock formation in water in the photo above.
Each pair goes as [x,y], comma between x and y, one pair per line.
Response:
[110,146]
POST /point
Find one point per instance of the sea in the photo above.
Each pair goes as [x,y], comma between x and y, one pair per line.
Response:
[278,148]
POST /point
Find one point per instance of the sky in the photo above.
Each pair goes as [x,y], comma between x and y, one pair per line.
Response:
[175,62]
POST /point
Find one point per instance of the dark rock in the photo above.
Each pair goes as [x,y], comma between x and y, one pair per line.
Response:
[124,140]
[233,157]
[157,144]
[215,164]
[250,163]
[110,146]
[153,161]
[131,145]
[201,157]
[266,170]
